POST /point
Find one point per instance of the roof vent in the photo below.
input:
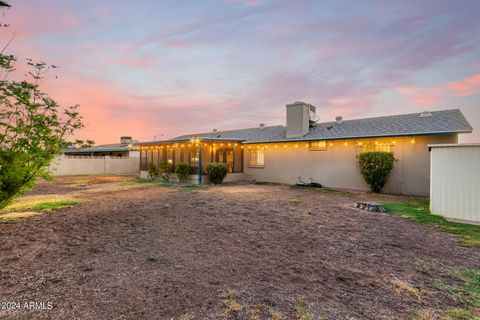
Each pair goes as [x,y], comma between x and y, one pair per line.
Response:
[262,125]
[425,114]
[215,130]
[339,119]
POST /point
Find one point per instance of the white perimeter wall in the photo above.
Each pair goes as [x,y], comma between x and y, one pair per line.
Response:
[73,165]
[455,182]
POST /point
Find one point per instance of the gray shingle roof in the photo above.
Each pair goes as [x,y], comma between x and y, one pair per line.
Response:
[447,121]
[250,134]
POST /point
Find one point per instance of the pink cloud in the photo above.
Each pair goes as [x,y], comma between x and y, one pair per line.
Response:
[424,96]
[110,110]
[340,101]
[466,87]
[433,95]
[41,19]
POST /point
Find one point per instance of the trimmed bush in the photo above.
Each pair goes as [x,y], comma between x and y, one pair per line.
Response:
[165,170]
[375,168]
[183,171]
[216,172]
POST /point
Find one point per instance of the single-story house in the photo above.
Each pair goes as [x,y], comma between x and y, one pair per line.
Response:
[125,148]
[324,152]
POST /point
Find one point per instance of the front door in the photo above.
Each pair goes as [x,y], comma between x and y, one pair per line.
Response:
[229,160]
[225,156]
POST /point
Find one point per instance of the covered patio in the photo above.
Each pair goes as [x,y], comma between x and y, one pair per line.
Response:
[196,152]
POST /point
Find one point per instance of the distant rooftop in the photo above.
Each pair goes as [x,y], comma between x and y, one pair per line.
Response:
[115,147]
[124,145]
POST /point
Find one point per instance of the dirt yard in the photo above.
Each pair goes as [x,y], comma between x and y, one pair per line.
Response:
[137,251]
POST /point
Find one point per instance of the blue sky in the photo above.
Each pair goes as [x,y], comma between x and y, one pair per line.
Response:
[144,68]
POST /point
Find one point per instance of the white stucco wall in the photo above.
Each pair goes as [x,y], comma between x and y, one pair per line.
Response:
[338,165]
[78,165]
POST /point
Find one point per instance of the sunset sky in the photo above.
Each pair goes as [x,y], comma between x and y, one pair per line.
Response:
[146,68]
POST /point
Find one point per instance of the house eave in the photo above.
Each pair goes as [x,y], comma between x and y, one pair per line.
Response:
[303,139]
[186,140]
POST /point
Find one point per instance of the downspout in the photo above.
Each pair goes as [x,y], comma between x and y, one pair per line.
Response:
[199,163]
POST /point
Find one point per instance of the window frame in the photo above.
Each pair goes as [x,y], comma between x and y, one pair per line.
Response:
[255,151]
[323,148]
[377,147]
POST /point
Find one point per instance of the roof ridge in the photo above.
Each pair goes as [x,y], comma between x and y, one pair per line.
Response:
[193,134]
[391,116]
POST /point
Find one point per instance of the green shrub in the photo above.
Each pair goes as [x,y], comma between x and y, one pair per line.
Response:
[216,172]
[165,170]
[153,172]
[13,170]
[183,171]
[375,168]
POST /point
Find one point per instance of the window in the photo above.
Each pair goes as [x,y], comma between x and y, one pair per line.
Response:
[195,156]
[256,158]
[317,146]
[386,147]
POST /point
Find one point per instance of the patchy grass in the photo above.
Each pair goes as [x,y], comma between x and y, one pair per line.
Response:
[267,183]
[405,287]
[418,211]
[322,190]
[148,182]
[32,205]
[460,283]
[275,315]
[186,316]
[295,201]
[81,181]
[327,190]
[49,206]
[140,181]
[191,187]
[459,314]
[232,309]
[465,292]
[40,203]
[163,184]
[230,306]
[16,216]
[303,309]
[467,289]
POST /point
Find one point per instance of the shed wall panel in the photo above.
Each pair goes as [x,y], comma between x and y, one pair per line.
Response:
[455,182]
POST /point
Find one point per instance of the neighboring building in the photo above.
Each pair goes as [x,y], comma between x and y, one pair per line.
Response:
[325,152]
[125,148]
[118,158]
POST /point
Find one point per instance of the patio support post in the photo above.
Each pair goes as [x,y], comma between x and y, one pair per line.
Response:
[199,163]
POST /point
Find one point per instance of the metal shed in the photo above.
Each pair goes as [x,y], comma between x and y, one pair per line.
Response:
[455,181]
